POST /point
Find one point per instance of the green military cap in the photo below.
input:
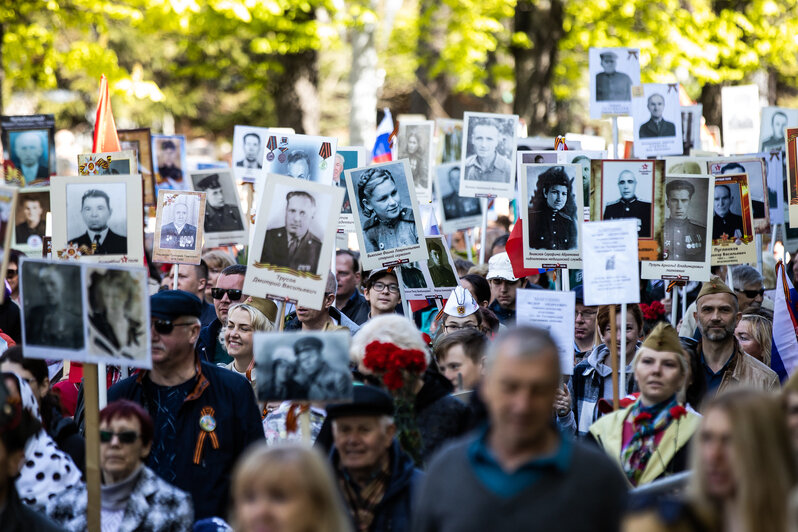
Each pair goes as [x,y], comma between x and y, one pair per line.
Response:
[267,307]
[664,339]
[714,286]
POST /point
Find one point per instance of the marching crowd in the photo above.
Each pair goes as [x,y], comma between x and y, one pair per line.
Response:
[481,432]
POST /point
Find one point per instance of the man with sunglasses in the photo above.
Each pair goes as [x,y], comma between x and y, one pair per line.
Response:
[749,289]
[204,416]
[226,293]
[382,292]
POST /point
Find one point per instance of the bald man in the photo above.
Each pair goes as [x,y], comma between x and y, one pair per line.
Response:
[28,150]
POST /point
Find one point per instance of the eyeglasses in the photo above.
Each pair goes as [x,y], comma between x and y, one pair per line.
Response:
[10,274]
[751,294]
[380,286]
[232,293]
[166,326]
[126,436]
[585,313]
[452,328]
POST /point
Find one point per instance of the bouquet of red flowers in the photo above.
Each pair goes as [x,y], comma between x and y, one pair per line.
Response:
[654,311]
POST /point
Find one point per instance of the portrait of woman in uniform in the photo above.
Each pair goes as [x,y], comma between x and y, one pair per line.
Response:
[552,210]
[385,210]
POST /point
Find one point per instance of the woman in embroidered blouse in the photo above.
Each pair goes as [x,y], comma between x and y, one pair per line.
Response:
[649,438]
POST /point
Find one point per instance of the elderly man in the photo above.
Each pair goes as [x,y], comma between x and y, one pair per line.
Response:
[724,365]
[725,222]
[204,416]
[95,207]
[749,289]
[299,165]
[657,126]
[328,318]
[193,278]
[628,206]
[519,470]
[226,293]
[179,234]
[293,245]
[347,298]
[382,292]
[503,287]
[219,216]
[378,480]
[28,149]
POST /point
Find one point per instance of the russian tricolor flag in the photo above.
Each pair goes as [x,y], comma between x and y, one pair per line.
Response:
[784,352]
[382,145]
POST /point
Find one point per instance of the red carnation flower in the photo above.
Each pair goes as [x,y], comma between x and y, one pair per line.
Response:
[393,380]
[677,411]
[642,417]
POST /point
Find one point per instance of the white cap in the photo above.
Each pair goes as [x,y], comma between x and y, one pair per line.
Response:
[499,267]
[460,303]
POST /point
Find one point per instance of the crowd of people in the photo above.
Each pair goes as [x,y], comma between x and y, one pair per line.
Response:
[483,432]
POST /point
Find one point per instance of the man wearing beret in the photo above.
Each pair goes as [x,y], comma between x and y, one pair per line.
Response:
[316,379]
[219,216]
[724,365]
[377,479]
[204,416]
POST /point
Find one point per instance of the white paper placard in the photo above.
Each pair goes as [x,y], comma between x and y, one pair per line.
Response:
[553,311]
[610,248]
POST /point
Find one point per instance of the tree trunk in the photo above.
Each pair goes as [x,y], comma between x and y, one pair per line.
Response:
[295,92]
[542,22]
[363,87]
[430,94]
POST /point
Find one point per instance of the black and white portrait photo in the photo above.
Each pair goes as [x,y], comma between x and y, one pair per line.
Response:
[657,125]
[488,154]
[412,275]
[97,217]
[613,73]
[169,159]
[458,212]
[30,217]
[249,148]
[8,197]
[685,230]
[252,146]
[52,306]
[450,139]
[303,366]
[552,210]
[691,127]
[118,317]
[222,206]
[775,120]
[757,180]
[627,192]
[740,117]
[657,120]
[180,217]
[414,143]
[440,267]
[301,156]
[728,219]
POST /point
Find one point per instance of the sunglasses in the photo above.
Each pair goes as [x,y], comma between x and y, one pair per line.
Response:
[166,326]
[126,436]
[751,294]
[232,293]
[10,274]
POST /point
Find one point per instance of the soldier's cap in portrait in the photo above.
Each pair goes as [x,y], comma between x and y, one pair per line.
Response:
[209,182]
[308,344]
[608,53]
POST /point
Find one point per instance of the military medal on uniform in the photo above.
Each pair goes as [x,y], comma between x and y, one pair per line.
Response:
[271,145]
[324,152]
[283,149]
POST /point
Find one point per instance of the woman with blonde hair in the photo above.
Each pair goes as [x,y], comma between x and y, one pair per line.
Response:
[286,488]
[243,320]
[754,333]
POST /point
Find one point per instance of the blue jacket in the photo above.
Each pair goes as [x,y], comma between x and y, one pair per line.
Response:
[206,343]
[394,511]
[204,460]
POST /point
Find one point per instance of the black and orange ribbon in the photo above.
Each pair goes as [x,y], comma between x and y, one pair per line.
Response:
[292,416]
[203,434]
[673,284]
[326,150]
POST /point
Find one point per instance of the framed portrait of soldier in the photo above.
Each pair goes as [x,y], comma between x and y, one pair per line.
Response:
[169,161]
[740,117]
[306,157]
[30,219]
[441,266]
[347,158]
[414,281]
[733,239]
[488,157]
[757,181]
[387,216]
[52,309]
[179,227]
[631,189]
[686,239]
[8,201]
[657,118]
[691,127]
[249,144]
[303,366]
[99,217]
[139,141]
[553,221]
[116,299]
[456,212]
[293,241]
[613,73]
[773,127]
[414,143]
[582,158]
[449,133]
[107,163]
[29,143]
[224,218]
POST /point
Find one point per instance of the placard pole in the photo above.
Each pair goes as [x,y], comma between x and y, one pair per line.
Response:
[729,279]
[566,280]
[90,387]
[304,425]
[469,238]
[102,384]
[615,137]
[558,279]
[758,241]
[174,280]
[484,230]
[674,306]
[684,301]
[281,316]
[614,358]
[624,362]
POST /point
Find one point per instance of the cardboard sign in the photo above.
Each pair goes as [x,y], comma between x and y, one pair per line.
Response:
[179,225]
[553,311]
[733,239]
[613,73]
[610,247]
[488,160]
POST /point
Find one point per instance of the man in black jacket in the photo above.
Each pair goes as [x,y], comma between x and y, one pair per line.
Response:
[95,207]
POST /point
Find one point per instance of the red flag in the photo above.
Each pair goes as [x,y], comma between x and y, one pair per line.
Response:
[515,250]
[105,137]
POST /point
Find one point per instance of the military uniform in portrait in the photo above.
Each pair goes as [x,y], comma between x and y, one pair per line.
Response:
[397,233]
[634,208]
[301,254]
[684,240]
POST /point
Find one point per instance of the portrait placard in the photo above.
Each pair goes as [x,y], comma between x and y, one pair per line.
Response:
[740,105]
[179,226]
[613,73]
[582,158]
[387,217]
[249,144]
[30,219]
[99,217]
[107,163]
[52,309]
[139,142]
[169,161]
[610,248]
[414,142]
[8,201]
[303,366]
[450,139]
[792,175]
[305,157]
[224,218]
[631,189]
[691,127]
[775,121]
[774,177]
[29,143]
[687,165]
[456,212]
[732,225]
[757,184]
[687,233]
[347,158]
[117,303]
[414,280]
[488,158]
[293,242]
[554,311]
[441,267]
[552,226]
[657,120]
